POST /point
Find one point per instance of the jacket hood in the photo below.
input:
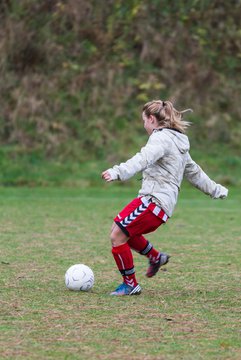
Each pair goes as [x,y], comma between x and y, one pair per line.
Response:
[180,140]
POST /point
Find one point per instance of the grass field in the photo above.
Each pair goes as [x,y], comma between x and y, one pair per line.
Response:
[190,311]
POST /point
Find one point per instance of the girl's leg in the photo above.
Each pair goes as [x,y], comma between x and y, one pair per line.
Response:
[156,259]
[140,244]
[123,256]
[135,218]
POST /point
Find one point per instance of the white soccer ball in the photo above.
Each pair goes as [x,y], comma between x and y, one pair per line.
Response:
[79,277]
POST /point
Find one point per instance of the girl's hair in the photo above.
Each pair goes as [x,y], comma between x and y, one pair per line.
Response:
[166,115]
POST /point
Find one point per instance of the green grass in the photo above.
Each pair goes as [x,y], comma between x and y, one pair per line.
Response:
[21,168]
[190,311]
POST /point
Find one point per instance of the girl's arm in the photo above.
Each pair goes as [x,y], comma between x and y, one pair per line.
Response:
[198,178]
[149,154]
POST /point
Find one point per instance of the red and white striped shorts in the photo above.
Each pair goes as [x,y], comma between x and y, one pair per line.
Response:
[140,216]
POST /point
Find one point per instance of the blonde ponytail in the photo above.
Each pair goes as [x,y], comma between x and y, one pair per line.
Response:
[166,115]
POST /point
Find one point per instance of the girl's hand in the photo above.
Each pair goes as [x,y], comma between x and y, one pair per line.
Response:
[106,176]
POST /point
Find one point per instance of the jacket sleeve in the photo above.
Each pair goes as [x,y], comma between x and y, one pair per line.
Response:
[149,154]
[198,178]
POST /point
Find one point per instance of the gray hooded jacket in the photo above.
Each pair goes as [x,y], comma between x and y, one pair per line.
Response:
[165,160]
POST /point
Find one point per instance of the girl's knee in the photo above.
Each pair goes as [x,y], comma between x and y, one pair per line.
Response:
[114,241]
[117,237]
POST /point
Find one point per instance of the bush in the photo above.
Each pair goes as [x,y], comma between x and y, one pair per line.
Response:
[75,74]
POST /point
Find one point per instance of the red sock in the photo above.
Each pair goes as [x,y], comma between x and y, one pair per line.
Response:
[124,261]
[144,247]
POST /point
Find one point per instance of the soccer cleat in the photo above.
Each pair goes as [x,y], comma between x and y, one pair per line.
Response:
[154,267]
[124,289]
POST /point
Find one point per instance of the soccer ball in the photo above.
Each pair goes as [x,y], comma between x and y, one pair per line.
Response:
[79,277]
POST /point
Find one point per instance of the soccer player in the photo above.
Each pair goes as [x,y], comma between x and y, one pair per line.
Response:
[164,161]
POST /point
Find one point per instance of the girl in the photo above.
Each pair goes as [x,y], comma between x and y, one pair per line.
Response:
[164,160]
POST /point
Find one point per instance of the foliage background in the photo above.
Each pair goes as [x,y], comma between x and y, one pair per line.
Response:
[75,74]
